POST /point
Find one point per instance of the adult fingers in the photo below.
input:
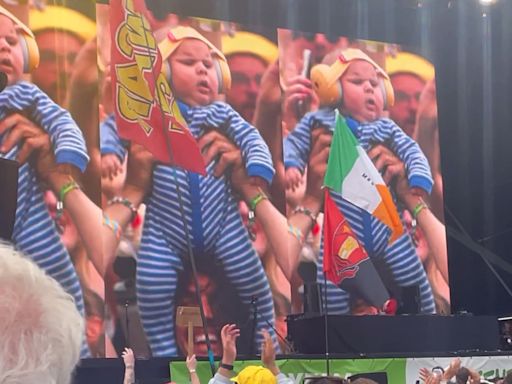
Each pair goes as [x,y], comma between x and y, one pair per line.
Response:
[227,160]
[32,144]
[8,122]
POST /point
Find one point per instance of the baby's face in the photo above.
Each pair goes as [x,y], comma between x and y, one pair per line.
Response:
[194,77]
[362,96]
[11,54]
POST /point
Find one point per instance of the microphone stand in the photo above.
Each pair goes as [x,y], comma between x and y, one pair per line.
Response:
[254,304]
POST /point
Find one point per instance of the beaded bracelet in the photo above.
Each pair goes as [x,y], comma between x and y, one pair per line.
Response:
[127,203]
[113,225]
[297,233]
[305,211]
[64,190]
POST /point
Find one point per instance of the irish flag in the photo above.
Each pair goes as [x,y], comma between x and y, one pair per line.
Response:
[351,173]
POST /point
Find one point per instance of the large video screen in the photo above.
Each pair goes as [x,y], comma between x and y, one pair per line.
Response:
[309,152]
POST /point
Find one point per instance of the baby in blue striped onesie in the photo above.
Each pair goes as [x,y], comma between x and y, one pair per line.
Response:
[359,88]
[211,219]
[34,231]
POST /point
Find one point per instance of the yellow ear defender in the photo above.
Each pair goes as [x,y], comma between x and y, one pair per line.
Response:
[325,78]
[175,37]
[27,41]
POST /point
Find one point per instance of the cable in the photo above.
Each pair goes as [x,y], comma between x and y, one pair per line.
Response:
[181,207]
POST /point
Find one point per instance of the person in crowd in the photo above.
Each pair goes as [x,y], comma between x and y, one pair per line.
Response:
[60,34]
[409,73]
[40,327]
[462,375]
[365,92]
[22,106]
[268,373]
[221,305]
[248,56]
[217,230]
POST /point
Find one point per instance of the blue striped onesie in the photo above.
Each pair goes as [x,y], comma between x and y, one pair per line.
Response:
[400,256]
[110,143]
[34,232]
[214,223]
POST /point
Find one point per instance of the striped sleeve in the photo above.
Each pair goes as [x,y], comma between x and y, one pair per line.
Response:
[297,145]
[110,143]
[416,164]
[255,152]
[67,139]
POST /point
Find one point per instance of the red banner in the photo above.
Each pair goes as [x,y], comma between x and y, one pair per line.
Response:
[146,110]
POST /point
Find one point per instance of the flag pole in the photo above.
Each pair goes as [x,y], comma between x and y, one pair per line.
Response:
[185,224]
[326,330]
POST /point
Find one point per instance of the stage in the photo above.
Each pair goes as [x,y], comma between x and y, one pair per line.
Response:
[393,347]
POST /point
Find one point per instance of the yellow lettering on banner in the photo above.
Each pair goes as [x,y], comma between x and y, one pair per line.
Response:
[131,108]
[145,127]
[123,41]
[140,32]
[130,78]
[164,93]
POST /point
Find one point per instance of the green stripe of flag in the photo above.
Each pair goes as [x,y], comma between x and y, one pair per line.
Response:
[342,155]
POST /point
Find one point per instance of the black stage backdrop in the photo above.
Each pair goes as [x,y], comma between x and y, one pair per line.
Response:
[470,46]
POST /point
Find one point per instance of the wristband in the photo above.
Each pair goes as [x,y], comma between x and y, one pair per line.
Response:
[127,203]
[229,367]
[64,190]
[257,199]
[305,211]
[113,225]
[415,212]
[418,208]
[192,371]
[297,233]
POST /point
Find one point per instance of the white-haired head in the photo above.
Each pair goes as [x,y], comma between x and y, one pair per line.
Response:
[40,327]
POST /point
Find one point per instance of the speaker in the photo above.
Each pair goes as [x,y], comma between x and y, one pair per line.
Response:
[325,78]
[172,41]
[8,196]
[27,42]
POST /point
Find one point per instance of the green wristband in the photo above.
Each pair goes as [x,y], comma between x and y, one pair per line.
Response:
[418,208]
[257,199]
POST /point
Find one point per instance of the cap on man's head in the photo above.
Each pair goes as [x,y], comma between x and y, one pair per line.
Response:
[254,374]
[250,43]
[55,17]
[406,62]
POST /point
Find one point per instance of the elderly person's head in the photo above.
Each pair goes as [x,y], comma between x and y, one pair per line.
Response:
[40,327]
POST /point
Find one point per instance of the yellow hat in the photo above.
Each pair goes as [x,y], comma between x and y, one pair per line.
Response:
[175,37]
[405,62]
[62,18]
[28,43]
[250,43]
[254,374]
[325,77]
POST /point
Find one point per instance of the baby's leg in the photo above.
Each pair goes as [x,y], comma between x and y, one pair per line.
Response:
[408,271]
[39,240]
[245,271]
[157,278]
